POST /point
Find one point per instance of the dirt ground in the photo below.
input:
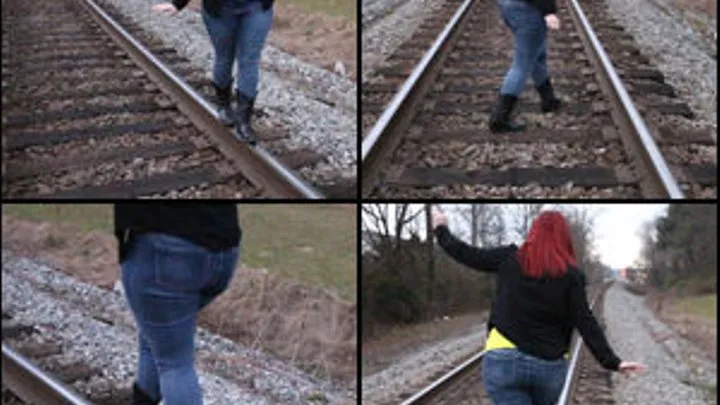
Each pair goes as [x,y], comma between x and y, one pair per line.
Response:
[705,6]
[315,38]
[699,330]
[378,353]
[300,324]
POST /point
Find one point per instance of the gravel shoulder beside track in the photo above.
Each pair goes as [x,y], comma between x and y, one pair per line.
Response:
[387,24]
[678,372]
[684,56]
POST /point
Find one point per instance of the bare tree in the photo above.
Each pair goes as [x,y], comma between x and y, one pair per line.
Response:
[525,213]
[429,241]
[487,224]
[498,226]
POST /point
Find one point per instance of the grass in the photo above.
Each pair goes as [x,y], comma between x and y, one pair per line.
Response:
[704,305]
[86,216]
[336,8]
[314,244]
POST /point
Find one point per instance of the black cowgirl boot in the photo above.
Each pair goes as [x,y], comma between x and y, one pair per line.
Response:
[500,116]
[549,102]
[141,398]
[223,100]
[243,113]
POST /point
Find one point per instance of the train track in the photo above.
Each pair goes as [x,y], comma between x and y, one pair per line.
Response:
[90,112]
[32,385]
[39,368]
[621,133]
[586,383]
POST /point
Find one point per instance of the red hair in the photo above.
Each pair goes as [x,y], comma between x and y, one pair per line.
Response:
[548,247]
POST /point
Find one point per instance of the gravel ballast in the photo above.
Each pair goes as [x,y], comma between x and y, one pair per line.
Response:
[76,314]
[677,370]
[677,50]
[387,24]
[416,370]
[318,106]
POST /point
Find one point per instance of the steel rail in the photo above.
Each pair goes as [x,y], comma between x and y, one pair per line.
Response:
[32,385]
[571,377]
[384,135]
[434,389]
[255,163]
[427,394]
[659,182]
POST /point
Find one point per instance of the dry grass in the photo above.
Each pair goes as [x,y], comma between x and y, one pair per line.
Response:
[300,324]
[693,317]
[316,37]
[88,254]
[706,6]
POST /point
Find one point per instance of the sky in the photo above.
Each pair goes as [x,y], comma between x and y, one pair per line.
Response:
[617,229]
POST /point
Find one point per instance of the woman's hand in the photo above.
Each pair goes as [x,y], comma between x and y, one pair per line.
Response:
[438,218]
[166,8]
[552,21]
[627,367]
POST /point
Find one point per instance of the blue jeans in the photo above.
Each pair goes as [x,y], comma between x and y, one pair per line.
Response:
[167,281]
[514,378]
[530,54]
[240,31]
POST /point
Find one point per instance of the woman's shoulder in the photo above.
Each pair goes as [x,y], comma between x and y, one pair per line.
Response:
[575,274]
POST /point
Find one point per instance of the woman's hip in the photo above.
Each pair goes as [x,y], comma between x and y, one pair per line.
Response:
[510,372]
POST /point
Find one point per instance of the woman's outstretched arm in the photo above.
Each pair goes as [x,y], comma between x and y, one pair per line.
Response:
[473,257]
[588,326]
[593,335]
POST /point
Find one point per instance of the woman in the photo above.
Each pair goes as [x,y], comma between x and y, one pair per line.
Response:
[238,29]
[528,20]
[540,299]
[175,259]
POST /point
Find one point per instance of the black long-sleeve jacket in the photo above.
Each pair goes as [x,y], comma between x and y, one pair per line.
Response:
[545,6]
[537,315]
[211,225]
[213,7]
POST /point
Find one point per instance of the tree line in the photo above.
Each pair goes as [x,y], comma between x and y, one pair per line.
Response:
[680,249]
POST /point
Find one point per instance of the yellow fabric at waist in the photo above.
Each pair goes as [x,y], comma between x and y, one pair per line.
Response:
[496,340]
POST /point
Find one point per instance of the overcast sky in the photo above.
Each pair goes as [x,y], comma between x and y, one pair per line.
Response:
[617,228]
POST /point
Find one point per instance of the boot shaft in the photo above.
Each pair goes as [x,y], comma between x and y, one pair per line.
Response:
[500,117]
[548,101]
[245,105]
[243,113]
[223,94]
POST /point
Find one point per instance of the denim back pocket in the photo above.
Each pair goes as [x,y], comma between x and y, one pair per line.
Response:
[180,265]
[499,369]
